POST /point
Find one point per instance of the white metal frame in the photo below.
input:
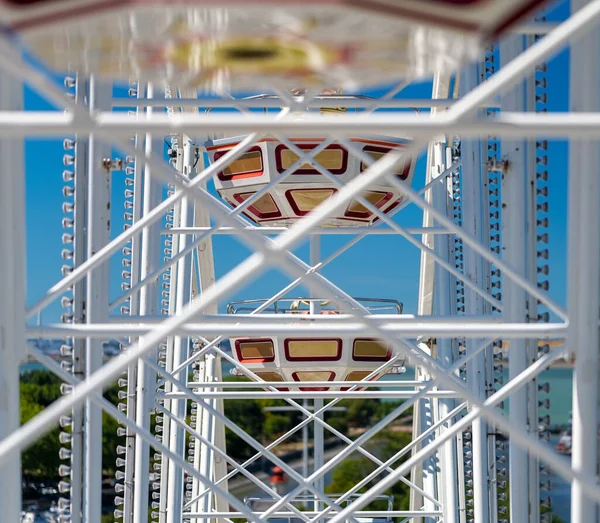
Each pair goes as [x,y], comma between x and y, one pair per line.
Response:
[442,391]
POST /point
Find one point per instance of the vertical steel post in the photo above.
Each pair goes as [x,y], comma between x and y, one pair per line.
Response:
[426,415]
[97,300]
[207,458]
[532,304]
[220,467]
[443,307]
[305,444]
[210,368]
[134,308]
[200,450]
[425,475]
[583,270]
[318,434]
[472,224]
[168,303]
[146,380]
[514,225]
[181,345]
[12,295]
[79,308]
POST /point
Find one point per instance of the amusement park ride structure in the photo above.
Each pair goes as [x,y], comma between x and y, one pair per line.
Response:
[286,166]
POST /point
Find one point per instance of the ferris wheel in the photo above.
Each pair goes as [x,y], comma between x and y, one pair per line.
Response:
[282,125]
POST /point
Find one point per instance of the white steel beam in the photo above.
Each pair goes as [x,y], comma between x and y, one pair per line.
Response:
[97,298]
[134,309]
[514,226]
[206,453]
[405,329]
[12,295]
[429,272]
[583,282]
[243,271]
[377,230]
[318,434]
[181,288]
[443,305]
[274,101]
[79,309]
[473,268]
[412,514]
[531,90]
[146,378]
[116,126]
[210,364]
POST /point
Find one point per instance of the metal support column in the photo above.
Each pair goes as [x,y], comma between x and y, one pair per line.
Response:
[97,300]
[472,224]
[583,283]
[318,433]
[443,307]
[181,346]
[146,385]
[134,309]
[514,225]
[422,476]
[305,444]
[531,175]
[79,309]
[207,457]
[210,366]
[12,295]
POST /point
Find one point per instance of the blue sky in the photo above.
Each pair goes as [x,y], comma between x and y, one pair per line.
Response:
[379,266]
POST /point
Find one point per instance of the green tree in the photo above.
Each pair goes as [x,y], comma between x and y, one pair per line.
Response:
[276,425]
[360,411]
[41,459]
[354,469]
[339,423]
[38,389]
[249,416]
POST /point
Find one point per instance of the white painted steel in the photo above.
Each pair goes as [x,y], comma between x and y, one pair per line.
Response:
[146,378]
[514,225]
[448,479]
[79,308]
[584,271]
[410,330]
[118,126]
[134,309]
[472,208]
[437,369]
[12,294]
[97,299]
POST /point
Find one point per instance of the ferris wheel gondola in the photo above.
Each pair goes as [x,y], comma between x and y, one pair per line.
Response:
[298,359]
[259,44]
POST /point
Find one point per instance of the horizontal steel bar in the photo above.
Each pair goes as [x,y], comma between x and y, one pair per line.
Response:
[293,319]
[580,125]
[274,101]
[417,329]
[262,384]
[307,407]
[318,230]
[400,394]
[358,514]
